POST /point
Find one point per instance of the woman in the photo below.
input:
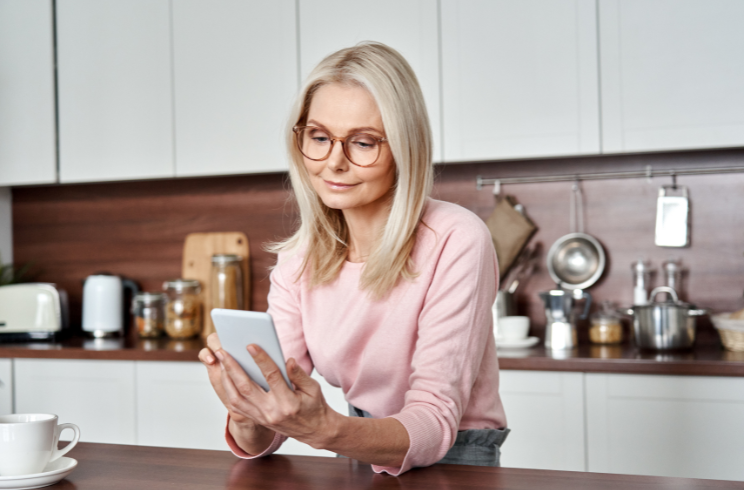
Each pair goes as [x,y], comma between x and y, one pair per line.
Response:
[385,292]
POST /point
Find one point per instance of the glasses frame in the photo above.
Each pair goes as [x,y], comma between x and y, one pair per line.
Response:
[298,129]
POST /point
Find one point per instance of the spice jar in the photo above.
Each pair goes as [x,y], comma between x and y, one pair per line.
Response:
[606,326]
[149,314]
[227,282]
[183,317]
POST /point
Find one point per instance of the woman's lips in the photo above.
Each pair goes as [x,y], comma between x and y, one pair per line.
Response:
[338,186]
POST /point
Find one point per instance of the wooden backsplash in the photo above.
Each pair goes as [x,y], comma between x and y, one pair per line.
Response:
[137,229]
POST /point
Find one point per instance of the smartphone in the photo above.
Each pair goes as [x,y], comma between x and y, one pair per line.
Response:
[237,329]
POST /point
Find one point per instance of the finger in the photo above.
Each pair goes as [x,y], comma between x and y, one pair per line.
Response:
[298,376]
[213,342]
[205,356]
[242,382]
[268,367]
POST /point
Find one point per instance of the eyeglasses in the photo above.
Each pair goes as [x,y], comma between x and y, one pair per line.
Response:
[362,149]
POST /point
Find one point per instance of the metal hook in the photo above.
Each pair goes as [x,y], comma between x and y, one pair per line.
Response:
[674,181]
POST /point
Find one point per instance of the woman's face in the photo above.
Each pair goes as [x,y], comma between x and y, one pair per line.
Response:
[343,110]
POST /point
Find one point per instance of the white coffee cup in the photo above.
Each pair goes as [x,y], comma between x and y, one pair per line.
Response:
[28,442]
[513,327]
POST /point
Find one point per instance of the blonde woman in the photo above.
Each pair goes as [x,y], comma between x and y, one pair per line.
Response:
[384,291]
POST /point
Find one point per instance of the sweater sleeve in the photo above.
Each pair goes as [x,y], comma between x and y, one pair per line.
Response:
[452,333]
[284,308]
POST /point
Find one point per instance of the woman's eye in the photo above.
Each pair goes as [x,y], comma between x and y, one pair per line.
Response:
[364,142]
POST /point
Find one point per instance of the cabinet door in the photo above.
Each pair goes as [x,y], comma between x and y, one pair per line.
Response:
[545,412]
[672,74]
[6,386]
[235,68]
[28,153]
[335,398]
[685,426]
[409,26]
[519,78]
[97,396]
[114,89]
[177,407]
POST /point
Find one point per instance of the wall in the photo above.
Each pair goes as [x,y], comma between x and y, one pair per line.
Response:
[6,226]
[137,228]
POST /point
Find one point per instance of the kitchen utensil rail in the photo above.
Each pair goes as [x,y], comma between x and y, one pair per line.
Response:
[638,174]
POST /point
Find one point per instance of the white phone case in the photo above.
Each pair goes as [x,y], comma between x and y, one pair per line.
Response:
[237,329]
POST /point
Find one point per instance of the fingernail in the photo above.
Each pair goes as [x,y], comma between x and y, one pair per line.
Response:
[222,366]
[252,349]
[220,355]
[210,359]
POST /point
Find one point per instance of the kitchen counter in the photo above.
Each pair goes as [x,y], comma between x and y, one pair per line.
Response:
[703,360]
[113,349]
[148,468]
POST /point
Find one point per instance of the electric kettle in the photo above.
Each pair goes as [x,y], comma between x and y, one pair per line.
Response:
[560,331]
[104,312]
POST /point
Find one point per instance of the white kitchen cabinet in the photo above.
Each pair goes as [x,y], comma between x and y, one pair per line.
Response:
[6,386]
[519,79]
[177,407]
[545,412]
[335,398]
[114,90]
[684,426]
[97,396]
[409,26]
[672,73]
[235,76]
[28,152]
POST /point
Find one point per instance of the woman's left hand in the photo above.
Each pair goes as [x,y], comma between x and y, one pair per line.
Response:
[302,414]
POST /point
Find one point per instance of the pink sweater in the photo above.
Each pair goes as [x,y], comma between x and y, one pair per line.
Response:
[425,355]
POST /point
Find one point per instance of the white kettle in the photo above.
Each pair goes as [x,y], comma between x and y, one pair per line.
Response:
[104,313]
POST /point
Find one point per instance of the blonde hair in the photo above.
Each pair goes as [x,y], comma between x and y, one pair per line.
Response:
[323,233]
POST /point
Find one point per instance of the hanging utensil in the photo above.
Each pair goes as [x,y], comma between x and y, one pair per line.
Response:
[672,217]
[576,260]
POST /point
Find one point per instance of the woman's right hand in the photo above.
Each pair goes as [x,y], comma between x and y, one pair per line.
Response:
[215,372]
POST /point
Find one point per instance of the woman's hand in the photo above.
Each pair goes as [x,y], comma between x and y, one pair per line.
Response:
[302,414]
[250,436]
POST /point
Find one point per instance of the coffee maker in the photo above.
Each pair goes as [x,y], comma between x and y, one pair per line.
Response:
[560,330]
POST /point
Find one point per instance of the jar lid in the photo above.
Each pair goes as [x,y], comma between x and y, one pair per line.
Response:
[181,284]
[149,296]
[225,258]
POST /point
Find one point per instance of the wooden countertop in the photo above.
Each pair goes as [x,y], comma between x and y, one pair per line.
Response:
[117,467]
[703,360]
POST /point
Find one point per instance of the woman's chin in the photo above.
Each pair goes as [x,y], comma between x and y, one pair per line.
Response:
[338,202]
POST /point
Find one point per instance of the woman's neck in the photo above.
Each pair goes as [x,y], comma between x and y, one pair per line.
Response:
[365,226]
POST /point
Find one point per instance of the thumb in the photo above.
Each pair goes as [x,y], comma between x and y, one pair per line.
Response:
[298,376]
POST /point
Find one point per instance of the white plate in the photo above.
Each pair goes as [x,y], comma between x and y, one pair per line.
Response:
[54,472]
[517,343]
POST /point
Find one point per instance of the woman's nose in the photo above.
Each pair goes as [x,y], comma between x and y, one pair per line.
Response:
[338,161]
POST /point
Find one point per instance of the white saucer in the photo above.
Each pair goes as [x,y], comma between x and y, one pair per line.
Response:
[516,343]
[54,472]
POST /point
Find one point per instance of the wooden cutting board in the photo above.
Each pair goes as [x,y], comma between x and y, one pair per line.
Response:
[197,264]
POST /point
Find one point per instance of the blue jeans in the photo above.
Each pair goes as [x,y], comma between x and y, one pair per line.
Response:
[475,447]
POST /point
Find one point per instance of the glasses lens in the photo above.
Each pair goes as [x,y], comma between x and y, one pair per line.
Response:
[363,149]
[314,143]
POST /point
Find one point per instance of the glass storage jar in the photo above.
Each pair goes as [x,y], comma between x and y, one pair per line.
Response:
[149,314]
[606,327]
[183,315]
[226,282]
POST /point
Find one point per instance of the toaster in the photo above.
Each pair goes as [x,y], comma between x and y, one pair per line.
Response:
[35,311]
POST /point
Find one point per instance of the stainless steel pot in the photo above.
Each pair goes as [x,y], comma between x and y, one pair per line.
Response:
[664,326]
